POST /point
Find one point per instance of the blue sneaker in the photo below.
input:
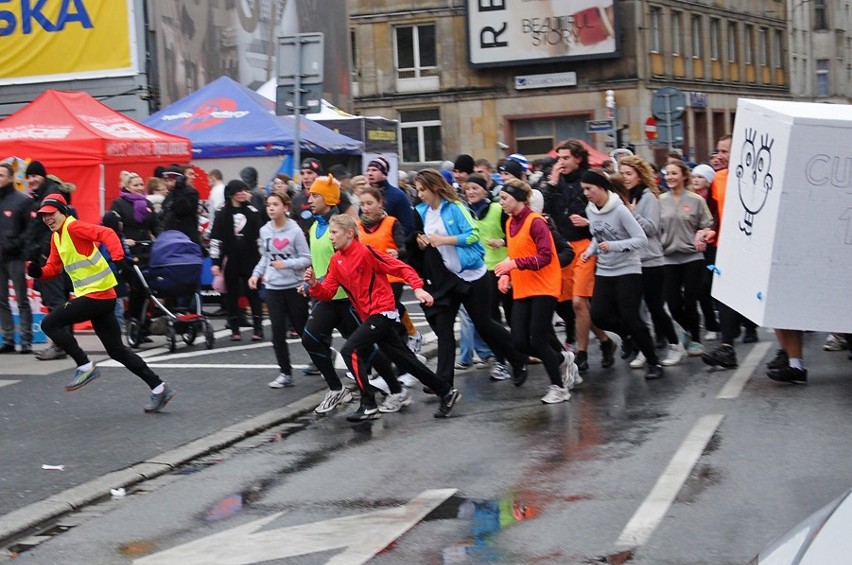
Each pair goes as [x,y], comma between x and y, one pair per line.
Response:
[81,378]
[159,401]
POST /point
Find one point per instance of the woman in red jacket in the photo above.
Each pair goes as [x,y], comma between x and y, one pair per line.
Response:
[74,248]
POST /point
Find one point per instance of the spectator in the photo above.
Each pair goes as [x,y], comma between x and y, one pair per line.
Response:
[258,194]
[180,207]
[396,202]
[14,220]
[217,193]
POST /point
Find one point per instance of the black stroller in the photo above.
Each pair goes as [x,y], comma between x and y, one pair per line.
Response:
[173,272]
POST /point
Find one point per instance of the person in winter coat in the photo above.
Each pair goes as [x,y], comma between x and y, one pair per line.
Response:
[14,217]
[180,207]
[234,252]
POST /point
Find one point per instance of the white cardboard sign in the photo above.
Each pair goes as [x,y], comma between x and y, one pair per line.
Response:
[785,248]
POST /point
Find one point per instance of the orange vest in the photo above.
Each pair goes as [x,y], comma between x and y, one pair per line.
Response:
[381,239]
[717,190]
[547,281]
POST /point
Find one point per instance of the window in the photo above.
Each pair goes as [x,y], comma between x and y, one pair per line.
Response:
[820,15]
[421,135]
[677,33]
[732,42]
[762,47]
[778,49]
[535,137]
[749,45]
[656,42]
[715,39]
[416,58]
[696,36]
[822,89]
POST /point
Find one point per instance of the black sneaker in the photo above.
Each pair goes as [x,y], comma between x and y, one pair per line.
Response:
[7,348]
[608,352]
[789,374]
[654,372]
[364,412]
[629,349]
[780,360]
[723,356]
[311,369]
[447,402]
[582,361]
[519,374]
[26,350]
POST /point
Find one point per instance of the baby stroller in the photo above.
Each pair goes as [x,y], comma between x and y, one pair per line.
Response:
[173,272]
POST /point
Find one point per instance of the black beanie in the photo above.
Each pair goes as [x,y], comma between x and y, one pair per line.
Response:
[234,187]
[464,163]
[36,168]
[249,176]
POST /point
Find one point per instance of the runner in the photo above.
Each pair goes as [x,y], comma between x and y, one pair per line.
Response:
[74,246]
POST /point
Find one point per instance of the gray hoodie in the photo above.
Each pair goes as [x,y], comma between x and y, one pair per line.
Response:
[615,224]
[288,244]
[647,213]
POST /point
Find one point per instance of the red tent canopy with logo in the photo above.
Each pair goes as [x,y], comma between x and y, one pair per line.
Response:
[596,158]
[85,142]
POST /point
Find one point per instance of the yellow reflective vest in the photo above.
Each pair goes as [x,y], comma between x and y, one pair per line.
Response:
[88,274]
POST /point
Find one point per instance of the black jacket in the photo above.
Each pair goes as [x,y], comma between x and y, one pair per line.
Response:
[147,229]
[238,247]
[180,211]
[564,200]
[14,220]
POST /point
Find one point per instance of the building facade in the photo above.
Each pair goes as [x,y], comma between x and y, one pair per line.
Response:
[412,61]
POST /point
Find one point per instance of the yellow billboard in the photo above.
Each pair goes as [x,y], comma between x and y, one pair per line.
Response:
[52,40]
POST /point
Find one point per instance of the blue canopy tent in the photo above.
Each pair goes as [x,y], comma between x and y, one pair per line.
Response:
[232,127]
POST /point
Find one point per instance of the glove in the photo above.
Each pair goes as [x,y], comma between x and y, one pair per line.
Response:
[123,269]
[34,270]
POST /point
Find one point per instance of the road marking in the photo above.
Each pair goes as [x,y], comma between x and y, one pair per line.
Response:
[653,509]
[738,380]
[360,536]
[216,366]
[6,383]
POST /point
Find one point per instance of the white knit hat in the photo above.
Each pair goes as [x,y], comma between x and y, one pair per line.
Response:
[705,171]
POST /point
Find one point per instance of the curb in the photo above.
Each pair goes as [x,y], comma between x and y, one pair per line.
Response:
[25,520]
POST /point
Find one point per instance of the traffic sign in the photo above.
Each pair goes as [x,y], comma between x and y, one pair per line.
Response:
[310,99]
[651,128]
[668,104]
[599,126]
[670,133]
[300,56]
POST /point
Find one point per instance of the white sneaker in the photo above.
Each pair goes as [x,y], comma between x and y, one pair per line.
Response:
[565,370]
[639,362]
[575,374]
[282,380]
[675,356]
[394,402]
[500,372]
[555,395]
[835,342]
[408,380]
[415,342]
[332,399]
[380,384]
[711,336]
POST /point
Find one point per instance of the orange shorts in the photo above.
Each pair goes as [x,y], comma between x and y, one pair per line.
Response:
[580,276]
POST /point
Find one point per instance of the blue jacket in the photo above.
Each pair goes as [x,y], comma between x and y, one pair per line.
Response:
[459,222]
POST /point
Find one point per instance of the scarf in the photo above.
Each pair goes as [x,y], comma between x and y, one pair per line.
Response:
[368,223]
[140,205]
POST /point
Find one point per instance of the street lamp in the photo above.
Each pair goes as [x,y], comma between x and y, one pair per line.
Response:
[612,114]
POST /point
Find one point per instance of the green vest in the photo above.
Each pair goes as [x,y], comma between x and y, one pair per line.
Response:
[490,228]
[321,252]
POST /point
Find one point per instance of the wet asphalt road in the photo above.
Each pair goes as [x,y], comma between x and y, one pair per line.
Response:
[535,483]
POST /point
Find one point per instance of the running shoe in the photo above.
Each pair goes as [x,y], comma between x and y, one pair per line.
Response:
[281,381]
[447,402]
[639,362]
[694,349]
[675,355]
[607,353]
[565,370]
[364,412]
[556,394]
[789,374]
[780,360]
[159,401]
[394,402]
[82,377]
[415,342]
[332,399]
[724,356]
[500,372]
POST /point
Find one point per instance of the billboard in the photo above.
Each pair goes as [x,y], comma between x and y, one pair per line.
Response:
[503,32]
[54,40]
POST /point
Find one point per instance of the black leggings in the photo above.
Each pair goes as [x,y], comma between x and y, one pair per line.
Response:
[683,286]
[283,304]
[476,302]
[237,285]
[532,332]
[102,315]
[615,307]
[653,291]
[316,339]
[384,332]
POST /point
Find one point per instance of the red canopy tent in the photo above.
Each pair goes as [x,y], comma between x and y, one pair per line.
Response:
[596,158]
[85,142]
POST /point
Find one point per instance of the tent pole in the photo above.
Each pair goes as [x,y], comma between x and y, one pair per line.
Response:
[102,190]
